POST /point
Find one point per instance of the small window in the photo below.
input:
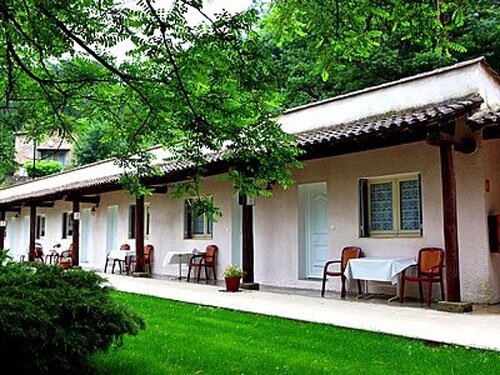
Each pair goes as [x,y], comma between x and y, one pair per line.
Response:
[131,220]
[391,206]
[58,155]
[67,225]
[196,227]
[40,227]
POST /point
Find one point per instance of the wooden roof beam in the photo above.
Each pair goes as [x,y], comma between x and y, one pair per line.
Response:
[95,199]
[460,144]
[43,204]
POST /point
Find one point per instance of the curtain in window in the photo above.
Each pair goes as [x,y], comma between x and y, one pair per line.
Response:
[199,225]
[410,204]
[381,207]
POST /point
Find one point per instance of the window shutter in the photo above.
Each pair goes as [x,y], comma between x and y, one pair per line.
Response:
[363,208]
[37,227]
[131,221]
[64,221]
[187,220]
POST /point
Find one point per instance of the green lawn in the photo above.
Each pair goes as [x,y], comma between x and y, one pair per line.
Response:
[181,338]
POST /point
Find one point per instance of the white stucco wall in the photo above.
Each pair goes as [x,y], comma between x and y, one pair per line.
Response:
[279,263]
[492,173]
[277,229]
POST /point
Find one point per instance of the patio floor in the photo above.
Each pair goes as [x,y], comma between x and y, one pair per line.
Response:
[479,329]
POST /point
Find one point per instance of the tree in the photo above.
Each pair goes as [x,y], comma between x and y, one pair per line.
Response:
[189,87]
[94,144]
[313,41]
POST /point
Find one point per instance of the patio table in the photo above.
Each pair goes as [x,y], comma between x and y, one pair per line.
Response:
[121,256]
[179,257]
[385,269]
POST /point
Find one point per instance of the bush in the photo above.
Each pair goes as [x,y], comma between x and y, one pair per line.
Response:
[52,320]
[42,168]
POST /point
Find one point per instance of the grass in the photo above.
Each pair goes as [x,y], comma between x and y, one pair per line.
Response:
[181,338]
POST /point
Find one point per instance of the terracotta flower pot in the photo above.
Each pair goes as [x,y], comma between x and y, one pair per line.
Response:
[232,284]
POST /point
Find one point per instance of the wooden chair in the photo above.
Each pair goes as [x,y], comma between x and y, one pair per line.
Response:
[349,252]
[148,257]
[67,254]
[429,270]
[208,260]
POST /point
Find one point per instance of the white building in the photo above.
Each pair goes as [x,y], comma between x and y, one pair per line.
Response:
[376,139]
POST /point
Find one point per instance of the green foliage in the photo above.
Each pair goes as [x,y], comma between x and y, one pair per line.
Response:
[342,46]
[191,87]
[94,144]
[52,320]
[4,256]
[8,163]
[42,167]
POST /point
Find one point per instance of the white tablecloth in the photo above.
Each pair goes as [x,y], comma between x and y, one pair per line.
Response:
[378,268]
[178,257]
[120,254]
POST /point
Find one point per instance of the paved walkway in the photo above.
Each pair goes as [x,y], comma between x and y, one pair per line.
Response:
[473,330]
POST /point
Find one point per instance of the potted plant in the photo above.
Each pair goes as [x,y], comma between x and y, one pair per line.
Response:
[232,275]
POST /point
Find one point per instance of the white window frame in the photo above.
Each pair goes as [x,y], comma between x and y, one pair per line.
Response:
[395,180]
[67,224]
[207,235]
[147,221]
[43,229]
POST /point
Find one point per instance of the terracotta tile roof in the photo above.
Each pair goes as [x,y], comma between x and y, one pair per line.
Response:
[484,119]
[395,122]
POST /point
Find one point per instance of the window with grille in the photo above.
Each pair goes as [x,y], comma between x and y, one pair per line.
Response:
[391,206]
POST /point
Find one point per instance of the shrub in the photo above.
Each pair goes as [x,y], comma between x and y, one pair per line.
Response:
[52,320]
[42,168]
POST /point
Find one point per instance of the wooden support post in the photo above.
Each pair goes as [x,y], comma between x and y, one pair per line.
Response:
[450,223]
[139,234]
[31,251]
[2,229]
[75,255]
[248,250]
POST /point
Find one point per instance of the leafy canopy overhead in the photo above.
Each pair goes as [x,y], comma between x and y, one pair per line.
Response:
[192,88]
[195,88]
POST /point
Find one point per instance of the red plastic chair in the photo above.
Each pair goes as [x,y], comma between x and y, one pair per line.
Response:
[206,261]
[430,270]
[148,257]
[349,252]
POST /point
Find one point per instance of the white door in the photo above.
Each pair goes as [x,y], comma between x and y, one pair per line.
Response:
[236,232]
[314,233]
[111,228]
[12,234]
[26,237]
[84,235]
